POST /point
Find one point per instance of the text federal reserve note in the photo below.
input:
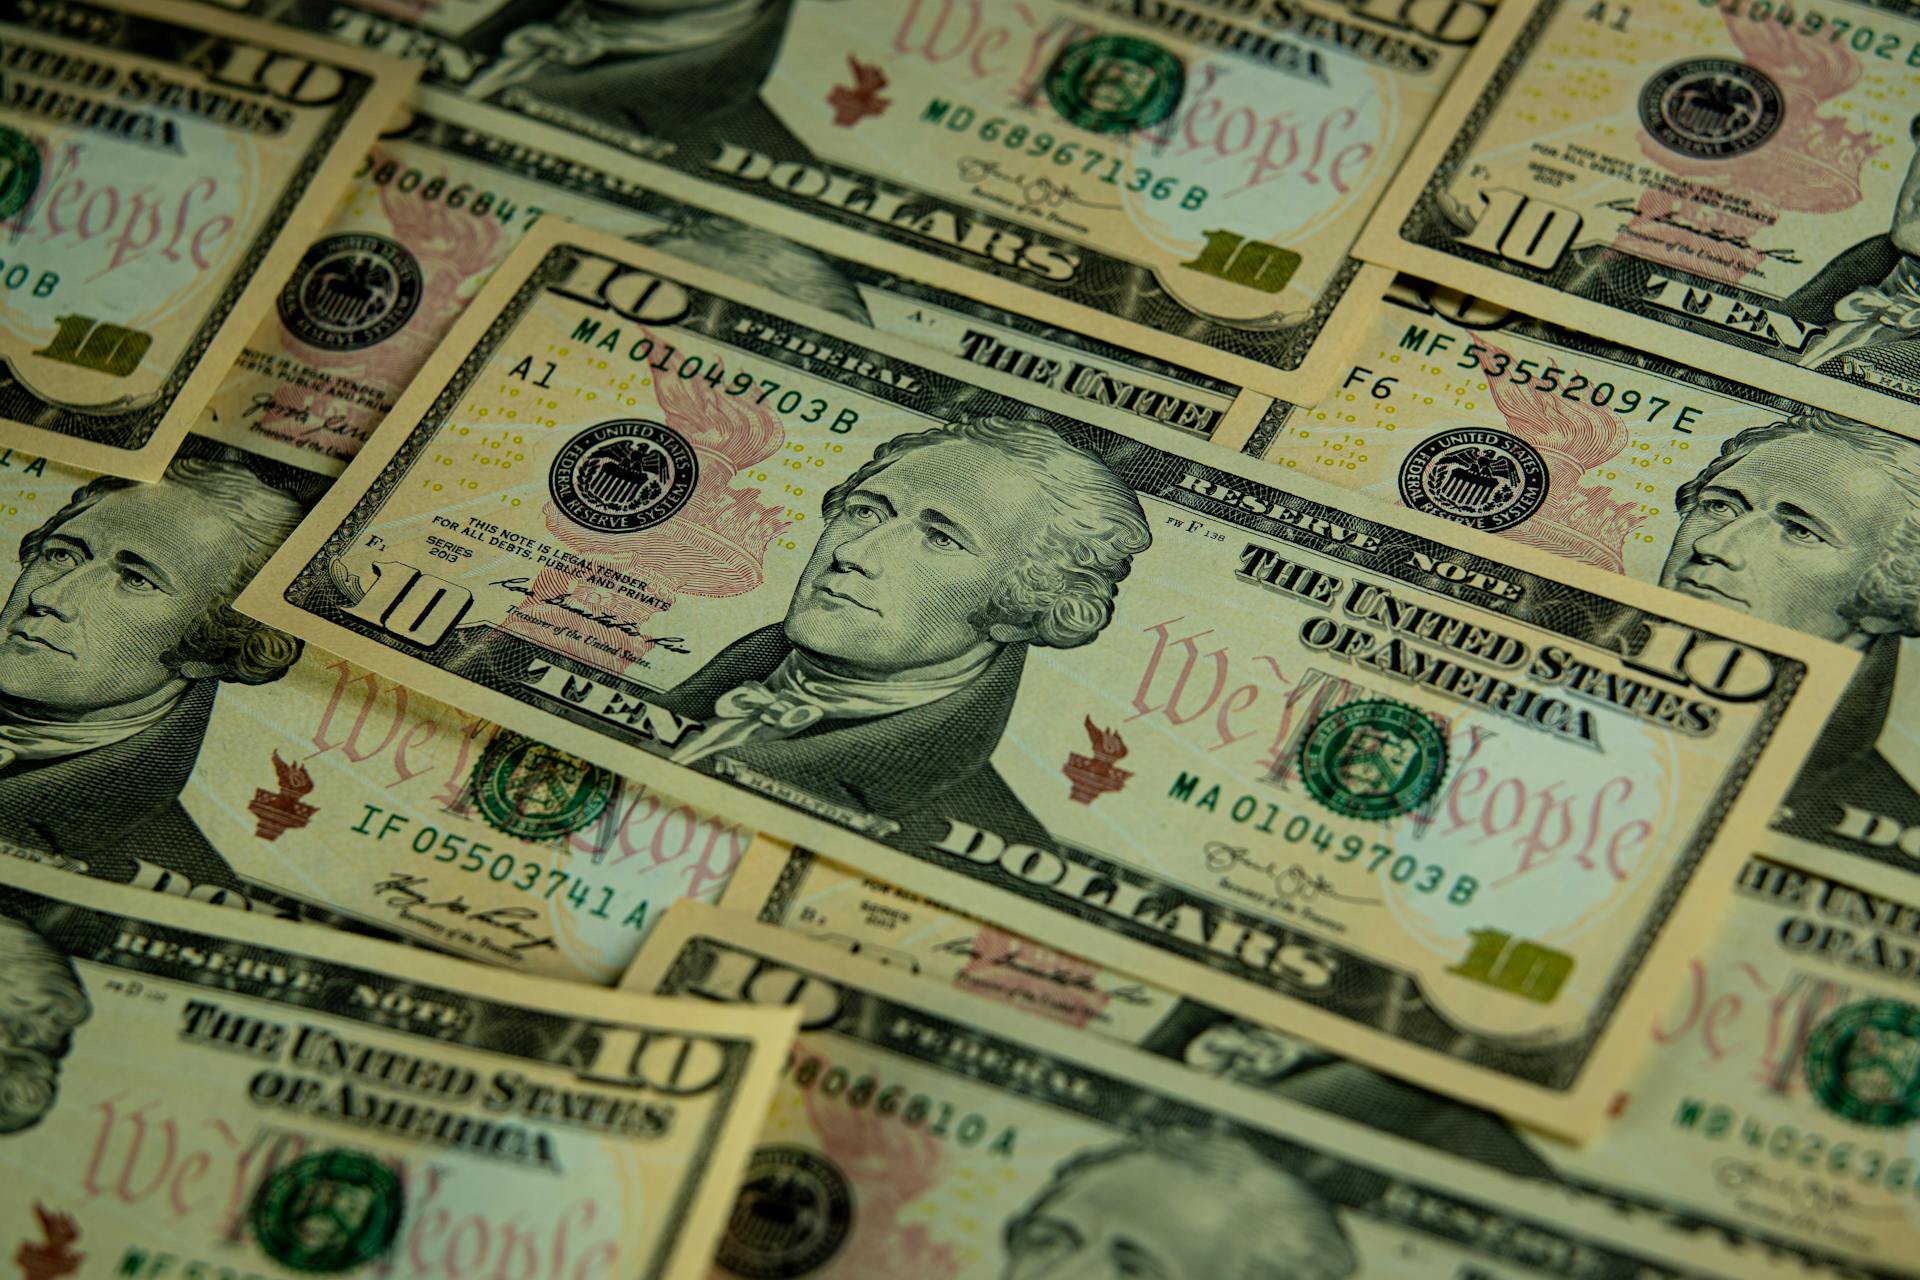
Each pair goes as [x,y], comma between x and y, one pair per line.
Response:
[1735,185]
[151,735]
[160,172]
[193,1093]
[1637,465]
[1757,1116]
[851,592]
[443,198]
[1181,180]
[925,1132]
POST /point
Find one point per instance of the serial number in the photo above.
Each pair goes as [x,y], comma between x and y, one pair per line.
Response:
[462,195]
[1545,377]
[1381,859]
[666,360]
[1549,378]
[15,276]
[1889,46]
[1401,868]
[1064,153]
[1807,1149]
[476,857]
[940,1120]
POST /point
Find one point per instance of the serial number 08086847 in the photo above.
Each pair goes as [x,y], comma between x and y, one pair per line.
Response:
[438,188]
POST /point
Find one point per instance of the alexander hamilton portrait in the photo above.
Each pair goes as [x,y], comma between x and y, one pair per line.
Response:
[115,637]
[945,558]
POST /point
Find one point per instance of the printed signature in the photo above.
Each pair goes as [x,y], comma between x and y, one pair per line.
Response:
[1291,881]
[1626,204]
[1040,193]
[264,408]
[403,891]
[564,603]
[1128,993]
[1807,1195]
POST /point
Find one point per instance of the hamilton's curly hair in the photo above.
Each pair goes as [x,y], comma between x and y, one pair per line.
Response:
[237,648]
[1890,589]
[1063,593]
[1289,1231]
[42,1000]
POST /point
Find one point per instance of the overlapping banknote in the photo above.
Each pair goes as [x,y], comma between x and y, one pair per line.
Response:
[1771,1112]
[1010,652]
[922,1132]
[162,167]
[191,1093]
[1731,184]
[1631,463]
[1180,180]
[447,192]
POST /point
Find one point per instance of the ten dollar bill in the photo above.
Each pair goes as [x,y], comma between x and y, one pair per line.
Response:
[591,520]
[192,1091]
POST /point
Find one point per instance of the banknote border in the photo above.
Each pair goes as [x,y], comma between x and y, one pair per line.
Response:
[1422,216]
[783,892]
[18,403]
[1268,428]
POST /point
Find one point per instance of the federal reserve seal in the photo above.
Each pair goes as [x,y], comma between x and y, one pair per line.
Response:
[794,1211]
[1711,108]
[624,476]
[329,1211]
[1115,84]
[351,291]
[528,789]
[19,171]
[1488,480]
[1863,1063]
[1373,759]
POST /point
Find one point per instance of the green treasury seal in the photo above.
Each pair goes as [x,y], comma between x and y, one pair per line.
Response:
[528,789]
[1373,759]
[1863,1063]
[1115,84]
[19,171]
[329,1211]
